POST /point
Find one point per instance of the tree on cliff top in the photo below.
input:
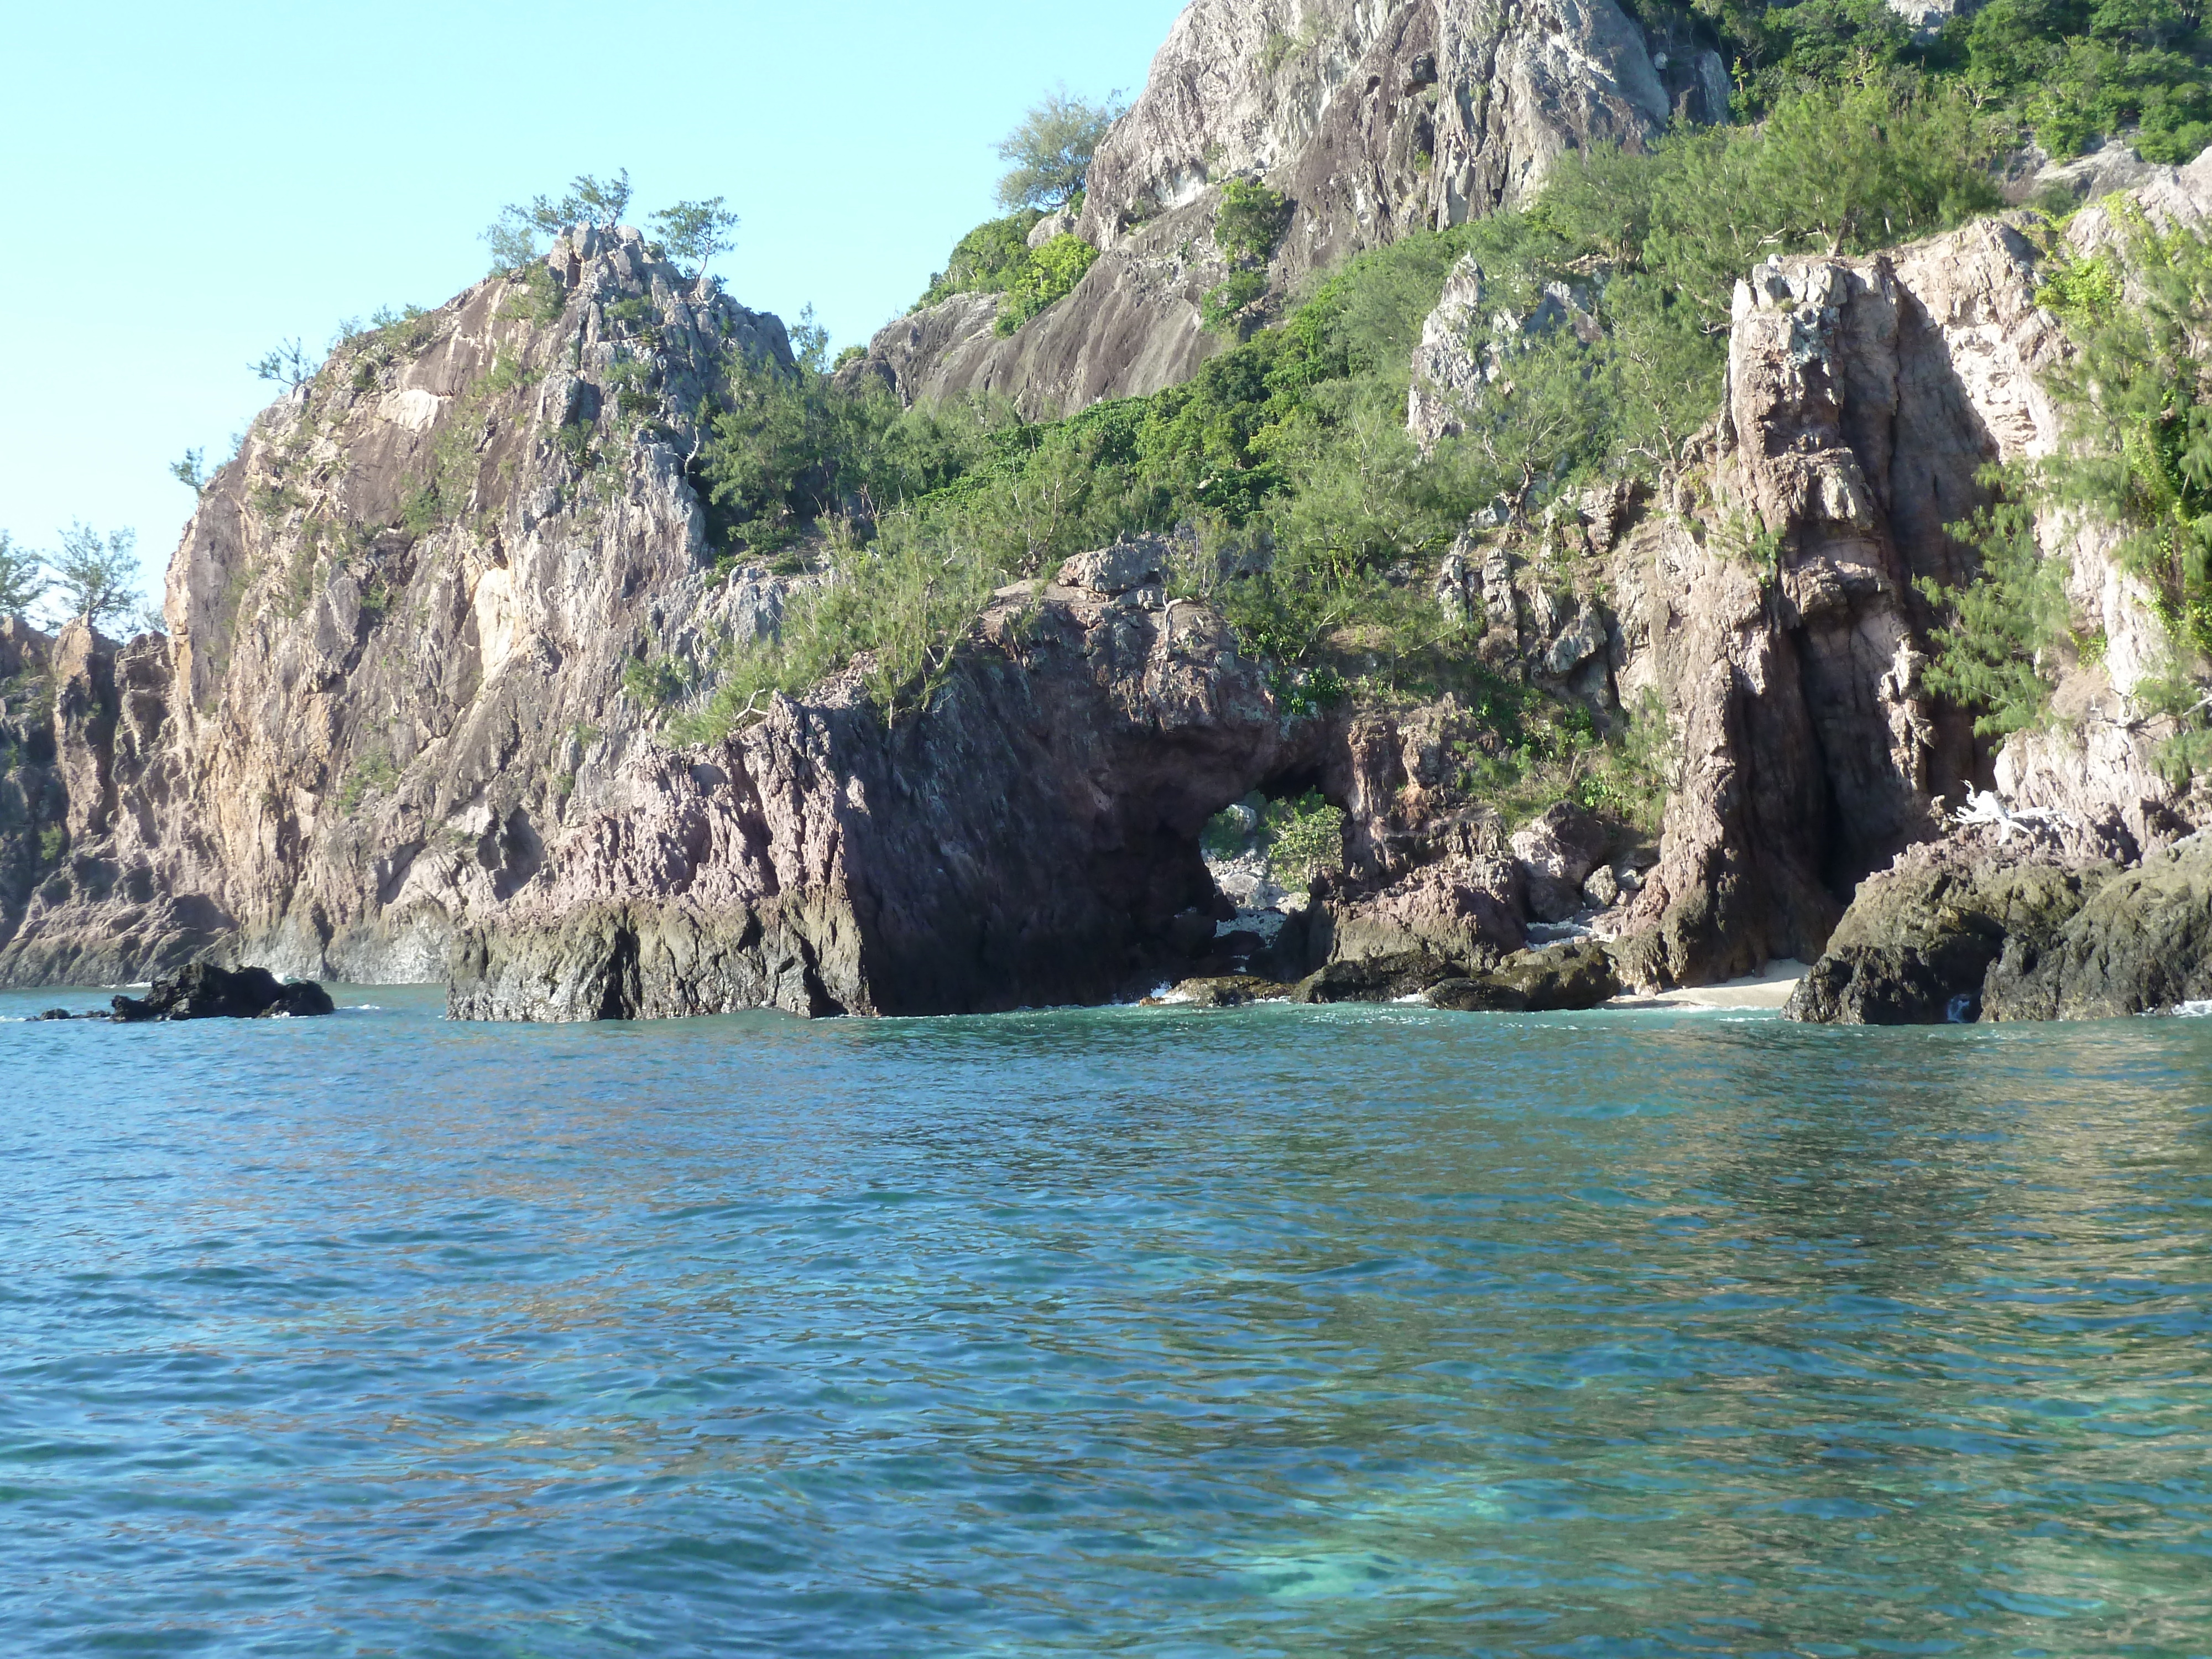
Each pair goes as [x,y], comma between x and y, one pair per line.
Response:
[1051,150]
[95,573]
[23,582]
[694,232]
[513,236]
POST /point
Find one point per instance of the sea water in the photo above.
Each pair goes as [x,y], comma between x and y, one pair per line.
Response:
[1284,1331]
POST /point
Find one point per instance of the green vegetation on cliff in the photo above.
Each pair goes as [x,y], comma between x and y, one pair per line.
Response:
[2063,71]
[1283,470]
[2138,466]
[1285,458]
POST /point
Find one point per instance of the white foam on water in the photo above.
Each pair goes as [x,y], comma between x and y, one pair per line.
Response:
[2201,1009]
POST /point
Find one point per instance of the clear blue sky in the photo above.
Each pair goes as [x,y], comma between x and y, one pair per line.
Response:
[194,184]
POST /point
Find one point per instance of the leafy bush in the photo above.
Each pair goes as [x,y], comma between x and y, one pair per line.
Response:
[1050,273]
[1051,148]
[1834,169]
[1247,226]
[373,771]
[1990,655]
[985,260]
[2066,70]
[1303,838]
[1251,219]
[1222,308]
[2139,415]
[23,580]
[656,683]
[1289,448]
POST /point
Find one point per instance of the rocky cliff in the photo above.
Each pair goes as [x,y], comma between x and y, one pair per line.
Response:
[388,736]
[1372,119]
[398,622]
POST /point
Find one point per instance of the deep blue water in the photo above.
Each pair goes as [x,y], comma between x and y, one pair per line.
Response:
[1279,1332]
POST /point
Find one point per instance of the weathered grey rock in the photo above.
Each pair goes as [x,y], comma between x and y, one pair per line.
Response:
[1128,564]
[1927,17]
[1557,853]
[2113,165]
[1581,637]
[1450,366]
[1052,227]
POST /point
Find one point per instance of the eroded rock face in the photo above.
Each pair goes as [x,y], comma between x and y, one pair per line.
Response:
[1376,119]
[1031,840]
[1131,327]
[1556,853]
[1862,399]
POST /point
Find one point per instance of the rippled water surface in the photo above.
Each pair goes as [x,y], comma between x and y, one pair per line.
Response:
[1281,1332]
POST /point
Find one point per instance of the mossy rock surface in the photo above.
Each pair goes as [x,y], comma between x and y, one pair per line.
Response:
[1942,938]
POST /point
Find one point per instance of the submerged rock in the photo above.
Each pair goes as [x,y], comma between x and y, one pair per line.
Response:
[204,991]
[1559,979]
[1225,990]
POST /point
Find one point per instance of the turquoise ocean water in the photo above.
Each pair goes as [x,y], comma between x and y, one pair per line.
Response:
[1356,1331]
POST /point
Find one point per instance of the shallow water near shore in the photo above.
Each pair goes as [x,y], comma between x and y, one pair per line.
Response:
[1282,1331]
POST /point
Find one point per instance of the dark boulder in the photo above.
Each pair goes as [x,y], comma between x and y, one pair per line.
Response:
[1378,979]
[300,998]
[203,991]
[1949,934]
[1478,996]
[1226,991]
[1559,979]
[2140,942]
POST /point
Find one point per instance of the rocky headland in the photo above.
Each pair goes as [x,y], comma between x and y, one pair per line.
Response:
[393,733]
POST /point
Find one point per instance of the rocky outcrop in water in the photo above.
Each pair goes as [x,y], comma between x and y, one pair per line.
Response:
[203,991]
[388,738]
[1767,597]
[1032,840]
[1967,930]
